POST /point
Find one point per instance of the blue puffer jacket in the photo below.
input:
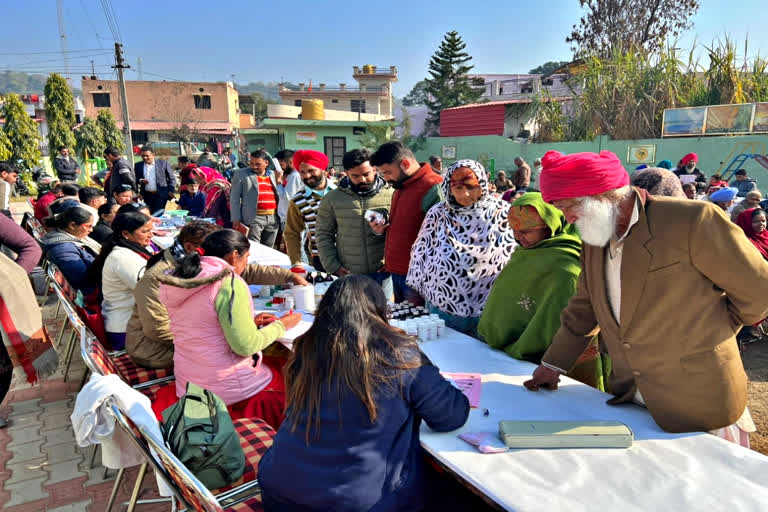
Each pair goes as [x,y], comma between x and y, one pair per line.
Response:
[74,258]
[351,464]
[744,186]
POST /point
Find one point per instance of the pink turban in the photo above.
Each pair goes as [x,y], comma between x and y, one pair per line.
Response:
[311,157]
[580,175]
[690,157]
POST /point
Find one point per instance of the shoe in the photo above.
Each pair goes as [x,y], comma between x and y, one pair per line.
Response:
[3,422]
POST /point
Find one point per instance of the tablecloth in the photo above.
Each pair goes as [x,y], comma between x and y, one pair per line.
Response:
[683,472]
[260,254]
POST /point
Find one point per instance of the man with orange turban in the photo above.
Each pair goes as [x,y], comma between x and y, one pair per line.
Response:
[654,282]
[302,212]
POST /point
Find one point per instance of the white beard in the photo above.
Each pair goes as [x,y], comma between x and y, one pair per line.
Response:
[597,222]
[689,170]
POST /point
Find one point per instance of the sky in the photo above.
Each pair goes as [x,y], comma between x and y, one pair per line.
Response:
[299,41]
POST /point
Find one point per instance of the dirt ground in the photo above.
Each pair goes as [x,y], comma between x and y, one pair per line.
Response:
[755,359]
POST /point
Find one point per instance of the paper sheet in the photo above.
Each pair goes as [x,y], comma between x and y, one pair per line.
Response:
[469,383]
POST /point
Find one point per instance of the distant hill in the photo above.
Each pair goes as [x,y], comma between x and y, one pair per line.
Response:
[270,90]
[25,83]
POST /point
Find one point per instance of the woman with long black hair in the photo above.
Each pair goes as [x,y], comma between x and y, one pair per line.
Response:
[117,270]
[356,392]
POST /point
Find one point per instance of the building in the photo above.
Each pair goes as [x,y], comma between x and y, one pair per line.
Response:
[207,112]
[334,138]
[516,86]
[34,105]
[373,94]
[511,118]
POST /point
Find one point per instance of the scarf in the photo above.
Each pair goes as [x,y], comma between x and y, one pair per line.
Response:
[59,236]
[28,343]
[523,310]
[376,186]
[760,240]
[461,249]
[127,244]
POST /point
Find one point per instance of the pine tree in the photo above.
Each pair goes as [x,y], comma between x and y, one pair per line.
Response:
[111,134]
[449,85]
[90,139]
[59,113]
[22,133]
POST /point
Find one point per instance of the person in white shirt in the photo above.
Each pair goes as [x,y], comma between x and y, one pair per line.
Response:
[157,181]
[8,175]
[117,270]
[288,186]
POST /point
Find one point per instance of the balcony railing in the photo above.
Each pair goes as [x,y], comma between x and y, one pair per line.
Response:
[375,70]
[336,88]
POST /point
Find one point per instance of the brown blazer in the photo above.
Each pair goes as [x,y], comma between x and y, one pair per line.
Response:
[689,280]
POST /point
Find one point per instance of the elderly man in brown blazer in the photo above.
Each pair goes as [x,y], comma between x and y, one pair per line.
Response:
[669,283]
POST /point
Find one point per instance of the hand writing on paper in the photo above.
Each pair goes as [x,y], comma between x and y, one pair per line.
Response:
[543,377]
[263,319]
[290,320]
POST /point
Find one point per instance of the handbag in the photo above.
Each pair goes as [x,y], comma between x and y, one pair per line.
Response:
[199,431]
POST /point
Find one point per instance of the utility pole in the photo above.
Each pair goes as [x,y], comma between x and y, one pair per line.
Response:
[120,65]
[93,70]
[63,38]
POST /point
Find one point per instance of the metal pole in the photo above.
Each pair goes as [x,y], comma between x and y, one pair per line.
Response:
[119,66]
[63,39]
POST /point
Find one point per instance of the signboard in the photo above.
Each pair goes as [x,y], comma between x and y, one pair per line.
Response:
[641,154]
[684,121]
[760,123]
[729,119]
[306,137]
[449,152]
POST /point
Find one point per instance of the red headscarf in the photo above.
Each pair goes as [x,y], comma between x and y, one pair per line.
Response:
[580,175]
[690,157]
[311,157]
[760,240]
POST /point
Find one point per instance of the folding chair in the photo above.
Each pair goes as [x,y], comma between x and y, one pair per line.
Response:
[66,295]
[99,361]
[255,438]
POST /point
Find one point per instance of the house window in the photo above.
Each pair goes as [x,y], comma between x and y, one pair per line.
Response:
[334,101]
[202,101]
[357,106]
[101,99]
[296,103]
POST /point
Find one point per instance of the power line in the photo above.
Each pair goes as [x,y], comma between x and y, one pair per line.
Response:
[160,76]
[90,20]
[54,52]
[111,23]
[59,60]
[114,18]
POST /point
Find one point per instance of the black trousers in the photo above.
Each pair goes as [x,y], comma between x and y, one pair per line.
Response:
[6,371]
[156,200]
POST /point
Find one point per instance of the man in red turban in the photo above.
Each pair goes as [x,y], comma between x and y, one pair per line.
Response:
[687,166]
[302,211]
[654,282]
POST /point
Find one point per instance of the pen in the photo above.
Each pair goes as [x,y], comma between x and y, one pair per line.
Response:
[290,312]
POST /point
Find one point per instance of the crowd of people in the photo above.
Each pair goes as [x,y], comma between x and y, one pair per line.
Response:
[572,265]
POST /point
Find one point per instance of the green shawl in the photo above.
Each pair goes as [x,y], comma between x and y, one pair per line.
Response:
[522,313]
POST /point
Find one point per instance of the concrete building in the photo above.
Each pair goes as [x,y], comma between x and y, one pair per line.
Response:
[500,87]
[334,138]
[373,94]
[209,110]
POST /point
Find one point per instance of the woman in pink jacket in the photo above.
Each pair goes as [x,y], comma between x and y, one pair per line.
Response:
[216,337]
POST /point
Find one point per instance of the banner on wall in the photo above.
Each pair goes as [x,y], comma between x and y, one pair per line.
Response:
[729,119]
[641,154]
[683,121]
[306,137]
[760,123]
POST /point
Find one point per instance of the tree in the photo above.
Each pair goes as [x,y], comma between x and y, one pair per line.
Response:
[448,85]
[619,25]
[261,103]
[376,134]
[59,112]
[21,132]
[90,139]
[418,95]
[5,146]
[112,136]
[548,67]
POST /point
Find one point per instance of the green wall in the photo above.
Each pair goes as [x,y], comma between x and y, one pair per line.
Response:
[715,153]
[271,142]
[353,141]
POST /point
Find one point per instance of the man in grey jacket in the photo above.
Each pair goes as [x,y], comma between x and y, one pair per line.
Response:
[66,166]
[253,200]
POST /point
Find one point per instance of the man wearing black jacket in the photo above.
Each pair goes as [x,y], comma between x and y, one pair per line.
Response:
[66,166]
[122,173]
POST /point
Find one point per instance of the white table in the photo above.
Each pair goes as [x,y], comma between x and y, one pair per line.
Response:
[259,306]
[683,472]
[260,254]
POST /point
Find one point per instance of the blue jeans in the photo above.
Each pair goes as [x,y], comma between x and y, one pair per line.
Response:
[404,292]
[385,280]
